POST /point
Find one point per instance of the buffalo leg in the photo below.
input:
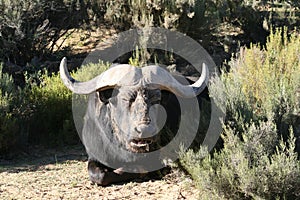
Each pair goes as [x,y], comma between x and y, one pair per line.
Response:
[102,175]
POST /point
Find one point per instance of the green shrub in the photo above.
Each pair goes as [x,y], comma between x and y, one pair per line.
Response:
[247,168]
[262,83]
[51,102]
[141,14]
[89,71]
[52,119]
[31,28]
[40,113]
[260,94]
[8,124]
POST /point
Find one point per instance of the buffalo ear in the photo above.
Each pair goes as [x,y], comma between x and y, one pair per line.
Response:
[105,95]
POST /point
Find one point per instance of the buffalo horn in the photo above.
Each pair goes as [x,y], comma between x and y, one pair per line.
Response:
[166,81]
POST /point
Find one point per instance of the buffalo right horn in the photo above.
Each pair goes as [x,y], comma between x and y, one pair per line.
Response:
[157,75]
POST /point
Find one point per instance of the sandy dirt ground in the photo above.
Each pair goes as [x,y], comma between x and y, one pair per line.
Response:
[62,174]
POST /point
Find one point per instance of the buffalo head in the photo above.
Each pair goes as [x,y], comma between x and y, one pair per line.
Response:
[130,95]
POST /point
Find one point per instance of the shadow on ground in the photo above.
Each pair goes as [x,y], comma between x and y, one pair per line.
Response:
[35,157]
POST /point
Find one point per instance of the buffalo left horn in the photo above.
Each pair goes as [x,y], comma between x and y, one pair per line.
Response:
[108,79]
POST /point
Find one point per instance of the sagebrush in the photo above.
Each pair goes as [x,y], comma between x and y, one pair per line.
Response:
[260,95]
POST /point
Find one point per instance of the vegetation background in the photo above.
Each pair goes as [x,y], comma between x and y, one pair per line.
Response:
[255,43]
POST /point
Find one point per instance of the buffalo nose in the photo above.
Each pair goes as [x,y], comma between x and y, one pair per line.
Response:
[145,130]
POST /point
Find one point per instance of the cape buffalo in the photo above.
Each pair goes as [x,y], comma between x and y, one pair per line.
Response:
[123,119]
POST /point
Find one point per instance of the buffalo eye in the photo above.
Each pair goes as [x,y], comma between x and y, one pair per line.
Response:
[105,95]
[130,97]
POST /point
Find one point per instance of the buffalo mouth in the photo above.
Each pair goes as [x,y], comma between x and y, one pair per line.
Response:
[141,145]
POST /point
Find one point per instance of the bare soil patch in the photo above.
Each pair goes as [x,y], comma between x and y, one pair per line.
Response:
[62,174]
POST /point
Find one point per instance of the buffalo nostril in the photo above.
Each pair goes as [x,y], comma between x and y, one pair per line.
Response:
[137,130]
